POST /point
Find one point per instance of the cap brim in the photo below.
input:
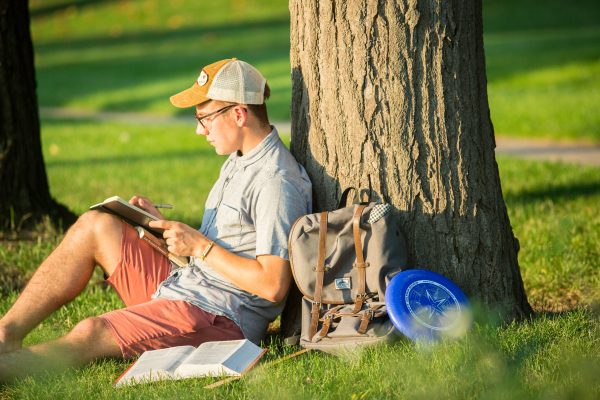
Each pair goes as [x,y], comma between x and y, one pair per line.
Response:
[190,97]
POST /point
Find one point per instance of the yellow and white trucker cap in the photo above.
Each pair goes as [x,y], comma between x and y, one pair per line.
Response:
[230,80]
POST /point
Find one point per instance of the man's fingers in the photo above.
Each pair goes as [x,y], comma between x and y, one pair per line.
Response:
[163,224]
[140,201]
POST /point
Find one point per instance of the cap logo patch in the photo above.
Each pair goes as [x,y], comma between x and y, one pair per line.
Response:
[203,78]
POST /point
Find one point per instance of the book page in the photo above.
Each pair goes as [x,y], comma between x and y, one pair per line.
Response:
[243,357]
[213,352]
[154,363]
[208,359]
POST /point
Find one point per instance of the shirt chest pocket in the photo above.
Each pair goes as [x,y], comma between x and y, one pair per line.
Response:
[229,225]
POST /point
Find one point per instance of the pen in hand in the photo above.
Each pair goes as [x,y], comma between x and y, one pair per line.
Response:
[163,205]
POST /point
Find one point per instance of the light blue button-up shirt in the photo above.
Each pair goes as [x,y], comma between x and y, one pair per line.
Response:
[249,212]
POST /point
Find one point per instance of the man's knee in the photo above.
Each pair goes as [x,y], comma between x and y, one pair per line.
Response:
[100,234]
[88,329]
[98,223]
[95,338]
[98,228]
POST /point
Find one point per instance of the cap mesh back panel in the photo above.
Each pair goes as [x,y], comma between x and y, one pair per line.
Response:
[238,82]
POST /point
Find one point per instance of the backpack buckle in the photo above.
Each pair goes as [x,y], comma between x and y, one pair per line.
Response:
[366,317]
[362,296]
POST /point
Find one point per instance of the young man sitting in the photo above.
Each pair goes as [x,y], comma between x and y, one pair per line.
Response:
[239,271]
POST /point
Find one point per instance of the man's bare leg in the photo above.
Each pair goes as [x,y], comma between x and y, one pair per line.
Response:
[94,239]
[89,340]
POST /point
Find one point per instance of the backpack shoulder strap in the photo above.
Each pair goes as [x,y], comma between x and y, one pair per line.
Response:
[320,271]
[360,264]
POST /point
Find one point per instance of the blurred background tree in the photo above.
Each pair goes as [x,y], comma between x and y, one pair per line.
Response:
[25,197]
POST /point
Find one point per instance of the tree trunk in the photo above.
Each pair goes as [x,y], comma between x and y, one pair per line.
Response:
[24,193]
[397,90]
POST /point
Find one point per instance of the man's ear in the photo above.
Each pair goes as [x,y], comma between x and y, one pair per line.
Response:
[240,115]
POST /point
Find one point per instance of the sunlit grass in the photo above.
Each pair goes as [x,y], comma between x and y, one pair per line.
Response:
[166,163]
[554,356]
[555,214]
[554,211]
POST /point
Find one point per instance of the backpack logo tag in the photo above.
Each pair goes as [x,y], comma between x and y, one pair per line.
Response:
[343,283]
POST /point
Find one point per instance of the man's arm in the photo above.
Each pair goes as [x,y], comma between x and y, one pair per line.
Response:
[268,276]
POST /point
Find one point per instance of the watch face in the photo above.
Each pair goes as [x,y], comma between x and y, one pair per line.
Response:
[426,305]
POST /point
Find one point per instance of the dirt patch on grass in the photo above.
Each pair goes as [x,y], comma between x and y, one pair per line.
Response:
[557,301]
[12,279]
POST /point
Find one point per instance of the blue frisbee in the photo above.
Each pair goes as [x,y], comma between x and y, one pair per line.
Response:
[427,306]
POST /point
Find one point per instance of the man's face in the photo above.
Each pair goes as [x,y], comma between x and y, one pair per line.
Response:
[218,127]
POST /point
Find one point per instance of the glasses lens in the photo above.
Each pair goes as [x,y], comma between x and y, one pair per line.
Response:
[209,117]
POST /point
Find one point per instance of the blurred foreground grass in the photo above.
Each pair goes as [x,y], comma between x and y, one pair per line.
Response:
[554,211]
[553,357]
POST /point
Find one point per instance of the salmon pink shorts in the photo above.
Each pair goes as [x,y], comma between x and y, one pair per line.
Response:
[150,324]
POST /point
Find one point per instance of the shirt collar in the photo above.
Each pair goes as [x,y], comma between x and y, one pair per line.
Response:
[258,151]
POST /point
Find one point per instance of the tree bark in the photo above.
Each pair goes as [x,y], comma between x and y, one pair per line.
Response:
[24,194]
[397,90]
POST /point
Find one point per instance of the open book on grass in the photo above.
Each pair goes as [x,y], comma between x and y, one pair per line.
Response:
[231,357]
[130,213]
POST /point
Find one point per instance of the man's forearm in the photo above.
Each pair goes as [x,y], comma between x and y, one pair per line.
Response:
[268,276]
[270,282]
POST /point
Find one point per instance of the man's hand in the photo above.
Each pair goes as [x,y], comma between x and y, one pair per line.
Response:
[146,205]
[182,239]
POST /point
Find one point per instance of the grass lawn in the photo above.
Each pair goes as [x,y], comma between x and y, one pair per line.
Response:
[555,213]
[543,79]
[543,58]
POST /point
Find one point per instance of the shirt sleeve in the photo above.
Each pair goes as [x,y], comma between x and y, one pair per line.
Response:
[279,204]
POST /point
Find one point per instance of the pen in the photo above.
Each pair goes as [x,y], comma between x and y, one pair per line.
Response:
[165,205]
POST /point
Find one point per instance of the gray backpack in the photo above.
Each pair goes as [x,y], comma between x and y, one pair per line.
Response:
[342,261]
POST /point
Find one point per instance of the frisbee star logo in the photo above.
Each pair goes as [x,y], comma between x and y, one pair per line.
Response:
[436,305]
[429,303]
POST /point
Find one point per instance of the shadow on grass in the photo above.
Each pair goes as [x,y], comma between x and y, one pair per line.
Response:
[520,45]
[593,310]
[560,33]
[562,192]
[159,37]
[55,8]
[131,158]
[524,15]
[170,54]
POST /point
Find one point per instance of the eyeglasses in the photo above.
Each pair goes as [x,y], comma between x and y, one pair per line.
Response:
[206,120]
